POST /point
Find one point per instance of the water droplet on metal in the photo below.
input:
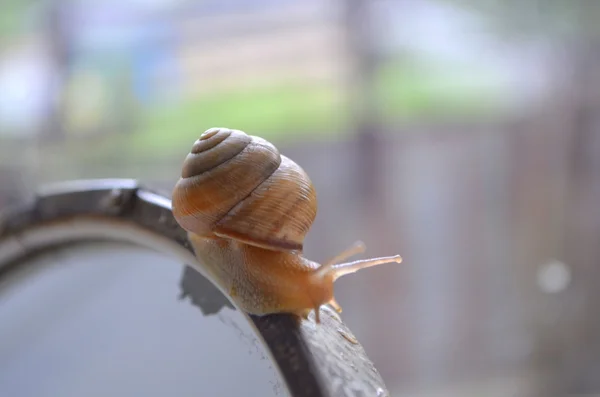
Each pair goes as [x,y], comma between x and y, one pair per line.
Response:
[113,199]
[381,392]
[116,194]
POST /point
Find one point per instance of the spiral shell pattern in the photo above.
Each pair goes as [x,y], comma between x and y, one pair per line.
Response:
[239,186]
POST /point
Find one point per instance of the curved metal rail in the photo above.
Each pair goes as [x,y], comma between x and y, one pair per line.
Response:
[323,360]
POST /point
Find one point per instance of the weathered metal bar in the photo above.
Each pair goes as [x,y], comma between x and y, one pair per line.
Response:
[323,360]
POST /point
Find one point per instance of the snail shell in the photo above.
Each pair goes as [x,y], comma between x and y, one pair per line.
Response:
[238,186]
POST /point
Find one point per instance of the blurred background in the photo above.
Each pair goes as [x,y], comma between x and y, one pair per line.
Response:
[462,134]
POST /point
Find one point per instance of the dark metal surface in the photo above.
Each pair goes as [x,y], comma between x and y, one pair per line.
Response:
[315,360]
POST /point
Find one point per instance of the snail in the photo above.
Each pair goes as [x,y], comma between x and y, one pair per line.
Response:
[246,209]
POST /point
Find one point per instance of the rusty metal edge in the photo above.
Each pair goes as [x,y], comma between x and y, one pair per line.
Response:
[314,360]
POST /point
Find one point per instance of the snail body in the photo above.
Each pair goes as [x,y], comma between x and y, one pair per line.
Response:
[247,209]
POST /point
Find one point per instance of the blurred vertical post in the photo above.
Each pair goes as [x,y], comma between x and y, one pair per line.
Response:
[364,103]
[368,174]
[368,171]
[59,57]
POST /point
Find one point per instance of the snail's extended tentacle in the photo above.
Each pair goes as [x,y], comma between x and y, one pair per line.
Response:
[351,267]
[337,270]
[356,248]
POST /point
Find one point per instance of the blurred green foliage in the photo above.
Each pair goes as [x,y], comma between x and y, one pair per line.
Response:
[418,90]
[124,132]
[406,92]
[15,17]
[278,111]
